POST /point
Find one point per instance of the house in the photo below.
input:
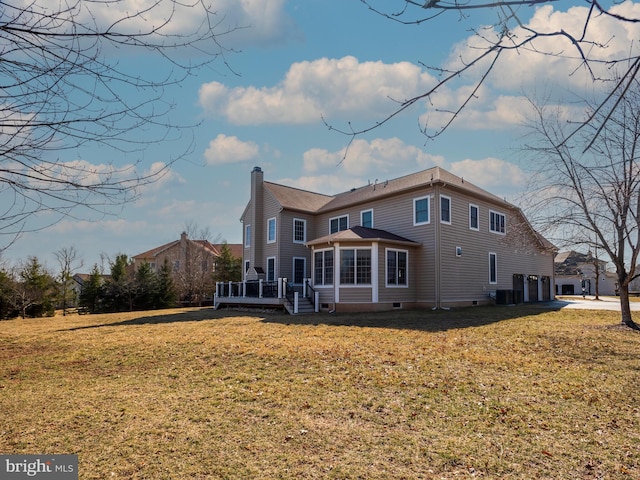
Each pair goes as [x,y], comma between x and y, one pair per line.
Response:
[192,262]
[80,279]
[182,253]
[425,240]
[575,271]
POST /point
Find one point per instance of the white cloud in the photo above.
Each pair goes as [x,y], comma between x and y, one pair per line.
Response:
[78,172]
[238,23]
[491,174]
[163,175]
[554,59]
[494,113]
[117,226]
[230,149]
[550,65]
[325,184]
[261,22]
[363,157]
[386,159]
[334,172]
[326,87]
[220,216]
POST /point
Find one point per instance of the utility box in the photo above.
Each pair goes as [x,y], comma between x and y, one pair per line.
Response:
[504,297]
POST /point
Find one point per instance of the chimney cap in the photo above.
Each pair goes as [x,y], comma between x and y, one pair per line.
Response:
[257,169]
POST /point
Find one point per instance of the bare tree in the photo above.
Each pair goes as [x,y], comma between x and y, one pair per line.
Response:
[66,84]
[69,261]
[588,192]
[492,42]
[194,278]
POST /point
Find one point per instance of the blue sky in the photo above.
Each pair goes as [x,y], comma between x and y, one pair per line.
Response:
[296,62]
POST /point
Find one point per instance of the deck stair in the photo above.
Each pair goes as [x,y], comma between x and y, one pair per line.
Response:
[304,306]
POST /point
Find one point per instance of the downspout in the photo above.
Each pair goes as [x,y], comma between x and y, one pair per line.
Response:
[336,275]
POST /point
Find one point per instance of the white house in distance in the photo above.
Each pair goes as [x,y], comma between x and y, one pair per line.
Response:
[575,271]
[425,240]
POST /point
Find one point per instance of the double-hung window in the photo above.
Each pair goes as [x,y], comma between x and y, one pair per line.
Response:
[271,230]
[497,222]
[366,218]
[337,224]
[473,217]
[397,261]
[355,266]
[299,230]
[323,267]
[420,210]
[445,209]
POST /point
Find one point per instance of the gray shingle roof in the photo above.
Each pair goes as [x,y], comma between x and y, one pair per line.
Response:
[297,199]
[304,200]
[358,233]
[385,188]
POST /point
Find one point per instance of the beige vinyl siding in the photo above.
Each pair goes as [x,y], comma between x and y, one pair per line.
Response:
[464,277]
[467,276]
[326,295]
[246,220]
[395,215]
[393,294]
[271,209]
[287,248]
[355,294]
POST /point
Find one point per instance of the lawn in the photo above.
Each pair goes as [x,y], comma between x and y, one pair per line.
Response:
[501,392]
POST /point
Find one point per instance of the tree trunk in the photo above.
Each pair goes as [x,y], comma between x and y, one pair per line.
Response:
[625,308]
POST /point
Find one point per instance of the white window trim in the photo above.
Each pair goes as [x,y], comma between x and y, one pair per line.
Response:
[446,222]
[355,268]
[304,233]
[386,267]
[275,269]
[413,213]
[472,205]
[324,283]
[505,222]
[495,256]
[275,230]
[362,215]
[247,235]
[338,218]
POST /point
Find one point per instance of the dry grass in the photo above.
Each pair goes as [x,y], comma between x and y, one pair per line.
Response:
[487,392]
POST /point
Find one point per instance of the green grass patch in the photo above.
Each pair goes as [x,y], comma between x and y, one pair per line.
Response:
[513,392]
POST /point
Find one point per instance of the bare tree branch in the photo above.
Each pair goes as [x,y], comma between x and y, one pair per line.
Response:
[592,196]
[583,48]
[65,83]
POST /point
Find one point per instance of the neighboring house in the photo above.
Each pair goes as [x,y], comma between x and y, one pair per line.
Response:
[575,271]
[192,263]
[430,239]
[79,279]
[185,253]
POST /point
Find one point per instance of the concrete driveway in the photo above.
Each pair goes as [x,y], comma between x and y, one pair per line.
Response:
[589,303]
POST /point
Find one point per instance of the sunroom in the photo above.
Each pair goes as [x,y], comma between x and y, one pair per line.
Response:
[363,269]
